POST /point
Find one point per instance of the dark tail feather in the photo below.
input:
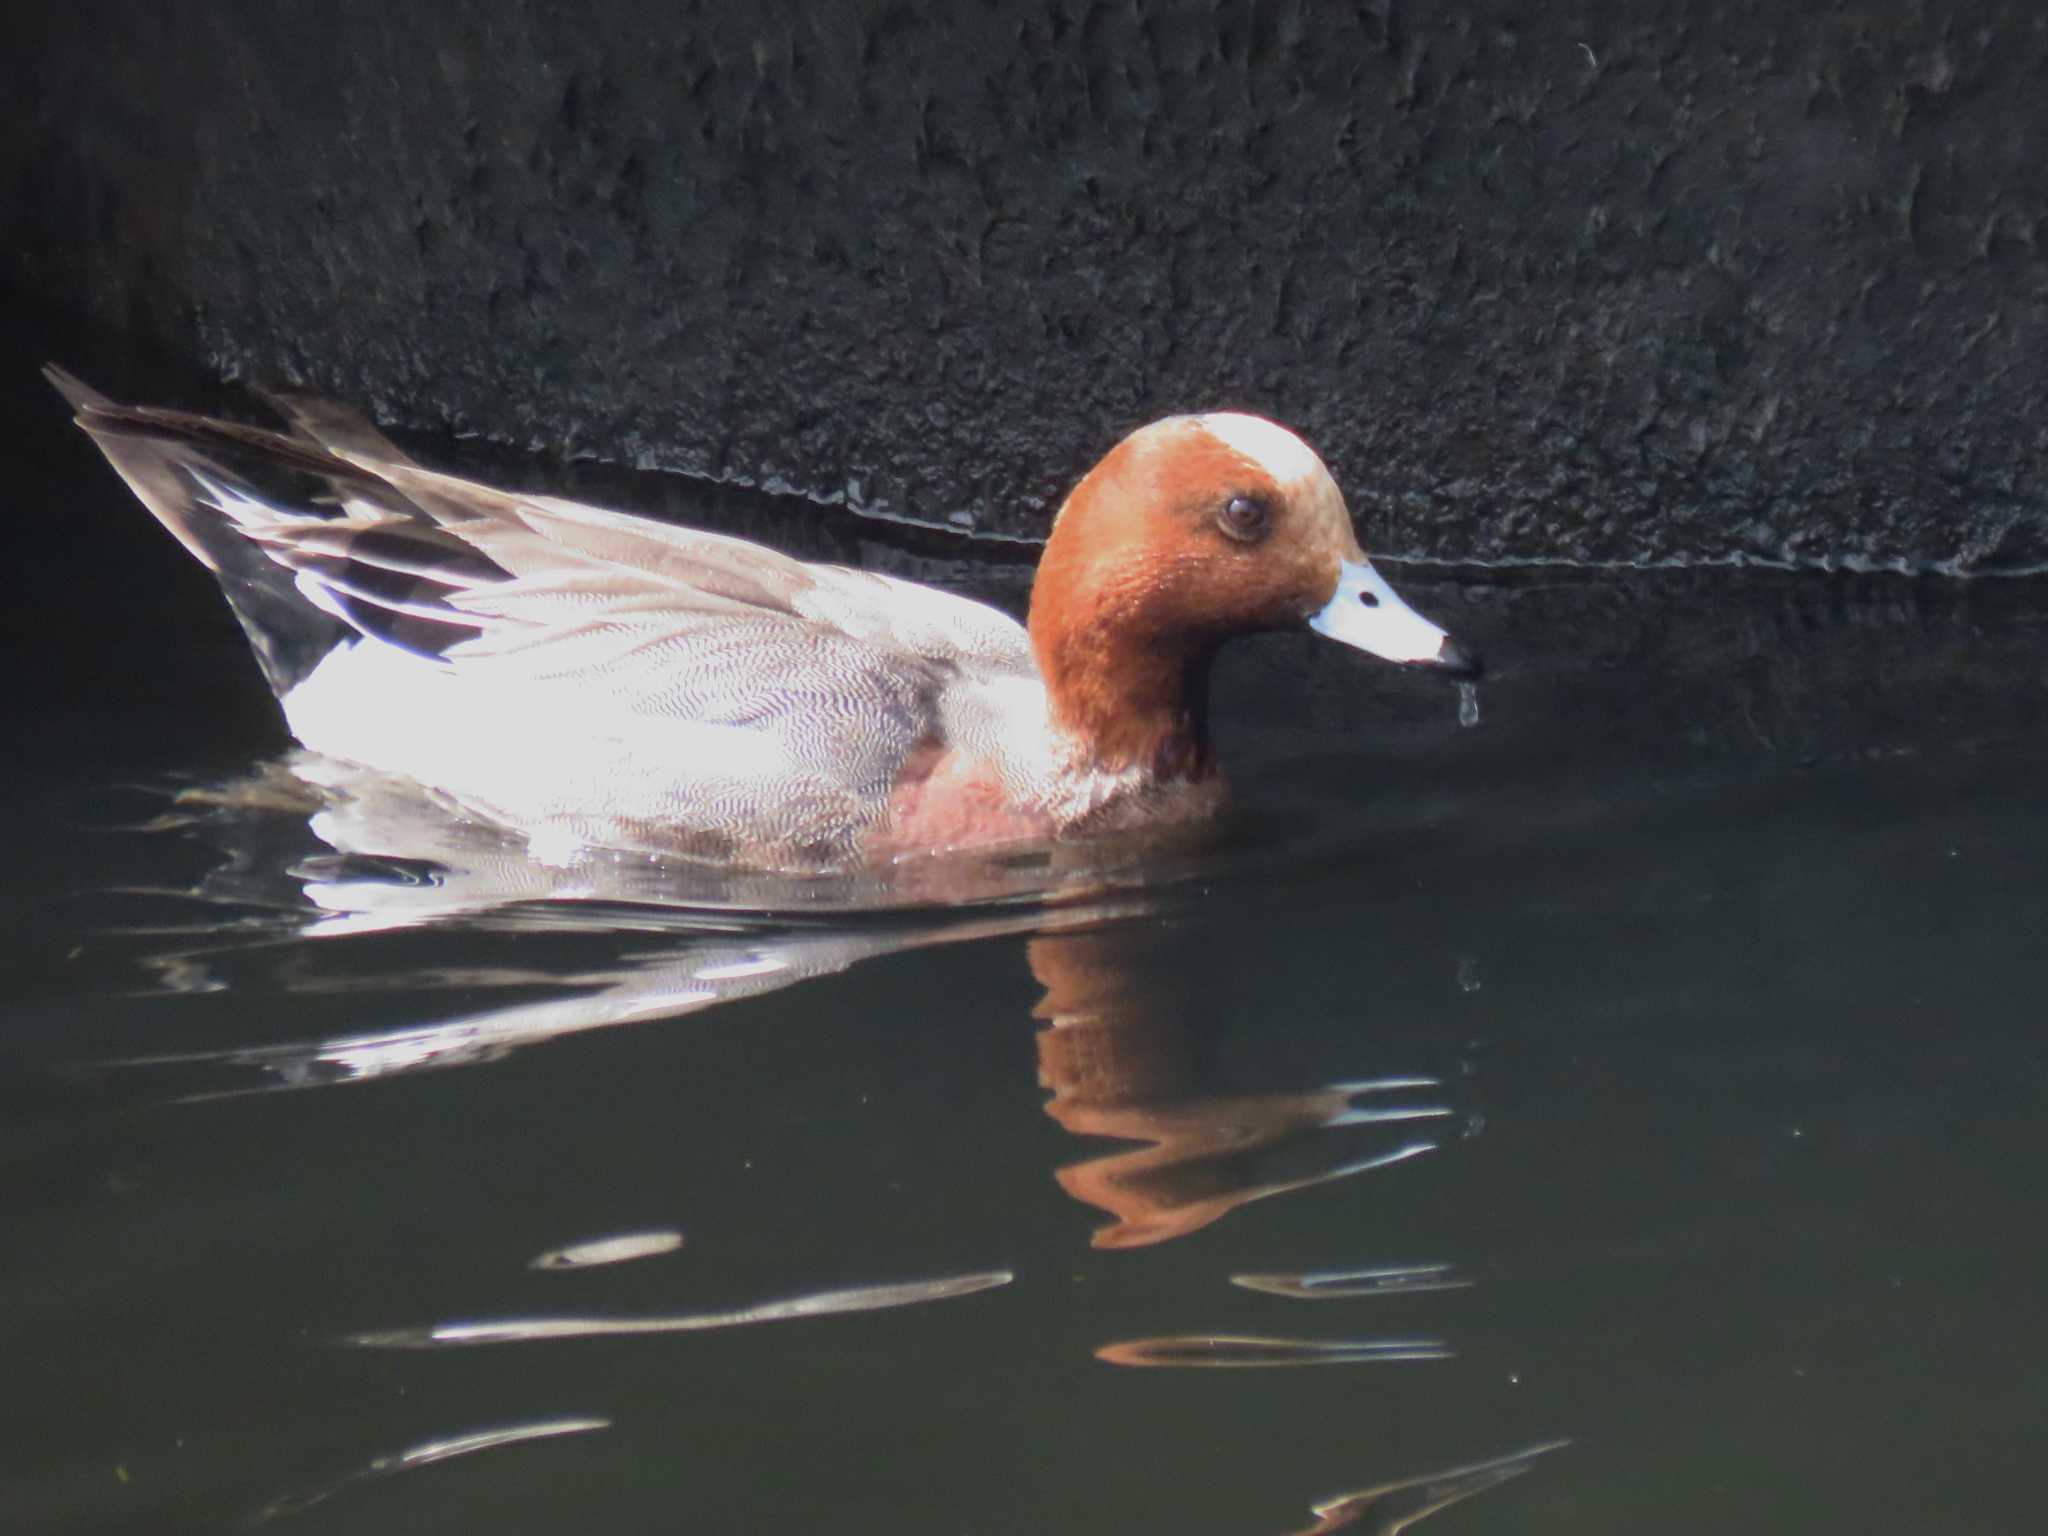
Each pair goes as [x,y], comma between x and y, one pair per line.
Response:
[309,536]
[183,467]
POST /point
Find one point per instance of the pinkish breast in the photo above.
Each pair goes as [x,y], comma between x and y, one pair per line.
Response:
[945,799]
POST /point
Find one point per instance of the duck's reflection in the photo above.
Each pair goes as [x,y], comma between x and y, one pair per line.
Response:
[1115,1054]
[1118,1049]
[1114,1049]
[388,858]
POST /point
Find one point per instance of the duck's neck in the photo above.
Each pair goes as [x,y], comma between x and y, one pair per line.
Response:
[1128,694]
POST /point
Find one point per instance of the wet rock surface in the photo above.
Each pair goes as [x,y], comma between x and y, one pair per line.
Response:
[1693,281]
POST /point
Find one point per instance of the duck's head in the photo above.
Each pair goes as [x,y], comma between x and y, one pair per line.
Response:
[1191,530]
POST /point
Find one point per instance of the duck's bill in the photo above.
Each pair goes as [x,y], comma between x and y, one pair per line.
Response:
[1366,612]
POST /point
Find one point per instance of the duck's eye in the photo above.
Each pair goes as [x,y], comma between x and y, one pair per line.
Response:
[1243,518]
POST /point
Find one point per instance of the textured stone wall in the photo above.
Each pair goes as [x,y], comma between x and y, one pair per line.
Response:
[1673,279]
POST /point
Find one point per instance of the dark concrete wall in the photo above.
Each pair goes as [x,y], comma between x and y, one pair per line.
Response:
[1674,279]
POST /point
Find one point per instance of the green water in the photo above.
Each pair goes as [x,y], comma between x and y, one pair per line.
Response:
[1700,976]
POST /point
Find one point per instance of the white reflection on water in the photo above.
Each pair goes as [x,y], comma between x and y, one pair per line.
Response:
[400,859]
[395,856]
[1336,1284]
[527,1330]
[691,975]
[1228,1351]
[680,938]
[620,1249]
[426,1454]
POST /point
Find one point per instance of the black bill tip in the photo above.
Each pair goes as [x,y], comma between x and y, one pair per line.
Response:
[1459,661]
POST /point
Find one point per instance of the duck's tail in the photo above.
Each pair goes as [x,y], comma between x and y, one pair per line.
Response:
[310,548]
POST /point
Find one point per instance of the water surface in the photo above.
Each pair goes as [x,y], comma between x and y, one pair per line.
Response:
[1645,1077]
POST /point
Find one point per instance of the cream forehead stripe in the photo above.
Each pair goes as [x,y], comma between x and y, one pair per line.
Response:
[1272,447]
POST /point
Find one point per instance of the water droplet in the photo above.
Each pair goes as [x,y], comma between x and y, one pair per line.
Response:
[1468,973]
[1468,704]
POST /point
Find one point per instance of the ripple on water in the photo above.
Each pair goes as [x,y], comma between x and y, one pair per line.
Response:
[621,1249]
[426,1454]
[1213,1351]
[528,1330]
[1335,1284]
[1398,1505]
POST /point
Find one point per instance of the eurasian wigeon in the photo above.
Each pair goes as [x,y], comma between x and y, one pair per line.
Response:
[595,679]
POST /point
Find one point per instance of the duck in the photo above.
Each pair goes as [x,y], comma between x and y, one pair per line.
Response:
[597,680]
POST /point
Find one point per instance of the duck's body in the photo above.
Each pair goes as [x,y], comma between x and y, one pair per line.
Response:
[596,679]
[833,717]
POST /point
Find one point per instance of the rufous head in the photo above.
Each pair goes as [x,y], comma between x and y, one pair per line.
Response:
[1189,531]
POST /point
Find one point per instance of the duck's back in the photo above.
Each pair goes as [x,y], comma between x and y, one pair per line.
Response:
[584,676]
